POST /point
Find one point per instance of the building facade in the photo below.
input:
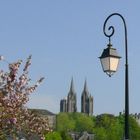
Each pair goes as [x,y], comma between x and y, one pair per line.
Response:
[69,104]
[81,136]
[63,105]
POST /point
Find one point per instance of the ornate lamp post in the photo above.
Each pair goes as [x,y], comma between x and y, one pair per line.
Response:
[109,61]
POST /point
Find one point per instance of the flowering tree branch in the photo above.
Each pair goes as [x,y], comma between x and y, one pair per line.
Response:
[15,118]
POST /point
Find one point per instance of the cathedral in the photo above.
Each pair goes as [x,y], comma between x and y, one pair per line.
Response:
[69,104]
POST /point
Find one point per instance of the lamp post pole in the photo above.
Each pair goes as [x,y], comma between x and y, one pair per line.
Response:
[111,28]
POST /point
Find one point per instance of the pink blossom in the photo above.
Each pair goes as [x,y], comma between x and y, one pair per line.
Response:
[14,94]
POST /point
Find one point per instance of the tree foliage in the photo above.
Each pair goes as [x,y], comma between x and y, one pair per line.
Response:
[74,122]
[134,129]
[53,136]
[108,127]
[83,123]
[104,127]
[65,122]
[15,118]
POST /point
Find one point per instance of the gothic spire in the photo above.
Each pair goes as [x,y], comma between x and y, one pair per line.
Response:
[72,86]
[72,101]
[85,91]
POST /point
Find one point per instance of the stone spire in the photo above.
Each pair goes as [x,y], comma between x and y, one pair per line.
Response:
[86,101]
[72,101]
[85,91]
[72,87]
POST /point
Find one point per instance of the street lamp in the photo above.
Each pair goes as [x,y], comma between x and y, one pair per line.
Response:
[110,60]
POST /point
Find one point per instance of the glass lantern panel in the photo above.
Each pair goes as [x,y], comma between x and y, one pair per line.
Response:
[105,63]
[114,63]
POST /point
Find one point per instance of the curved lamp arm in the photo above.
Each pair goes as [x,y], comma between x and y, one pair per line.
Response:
[109,35]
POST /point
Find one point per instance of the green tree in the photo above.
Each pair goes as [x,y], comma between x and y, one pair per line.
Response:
[105,126]
[53,136]
[134,129]
[83,123]
[64,122]
[108,127]
[100,134]
[65,136]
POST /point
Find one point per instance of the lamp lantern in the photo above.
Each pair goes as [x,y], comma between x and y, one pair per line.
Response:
[109,60]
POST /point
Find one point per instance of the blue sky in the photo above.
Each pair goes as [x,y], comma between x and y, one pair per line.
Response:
[65,38]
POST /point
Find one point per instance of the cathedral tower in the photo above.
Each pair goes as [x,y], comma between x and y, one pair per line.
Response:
[71,99]
[63,105]
[69,104]
[86,101]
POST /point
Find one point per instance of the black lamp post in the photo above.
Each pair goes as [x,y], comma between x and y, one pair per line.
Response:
[110,59]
